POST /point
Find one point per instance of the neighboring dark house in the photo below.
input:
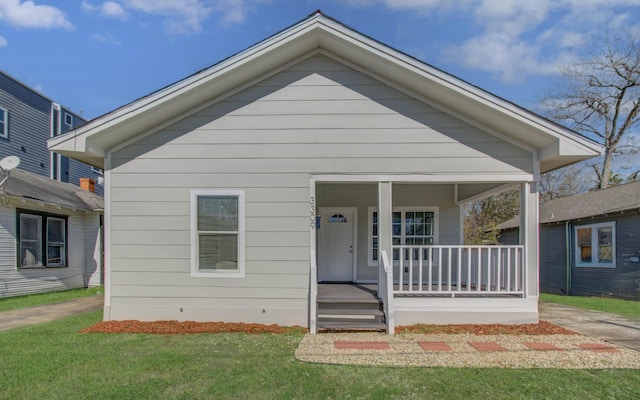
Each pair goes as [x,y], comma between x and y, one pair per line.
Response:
[589,243]
[27,120]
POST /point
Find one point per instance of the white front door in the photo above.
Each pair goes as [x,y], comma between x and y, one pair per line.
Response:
[336,244]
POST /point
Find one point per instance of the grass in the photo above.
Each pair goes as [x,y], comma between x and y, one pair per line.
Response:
[54,361]
[626,308]
[14,303]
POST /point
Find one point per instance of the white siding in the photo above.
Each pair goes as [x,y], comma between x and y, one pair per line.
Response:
[317,117]
[23,281]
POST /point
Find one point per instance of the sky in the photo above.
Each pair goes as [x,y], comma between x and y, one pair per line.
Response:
[94,56]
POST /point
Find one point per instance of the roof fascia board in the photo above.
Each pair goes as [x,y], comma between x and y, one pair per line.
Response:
[422,98]
[170,93]
[211,102]
[459,86]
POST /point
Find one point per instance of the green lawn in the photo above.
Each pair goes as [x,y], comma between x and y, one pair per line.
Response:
[621,307]
[53,361]
[14,303]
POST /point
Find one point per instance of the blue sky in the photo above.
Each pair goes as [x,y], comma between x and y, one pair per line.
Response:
[94,56]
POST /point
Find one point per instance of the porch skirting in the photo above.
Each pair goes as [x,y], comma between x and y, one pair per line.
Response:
[510,311]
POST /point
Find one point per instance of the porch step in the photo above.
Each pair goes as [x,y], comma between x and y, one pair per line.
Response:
[351,325]
[350,311]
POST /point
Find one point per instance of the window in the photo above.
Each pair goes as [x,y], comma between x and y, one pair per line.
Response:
[217,233]
[416,227]
[42,240]
[55,120]
[595,245]
[68,119]
[97,170]
[4,123]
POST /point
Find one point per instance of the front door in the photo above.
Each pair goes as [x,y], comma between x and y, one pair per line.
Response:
[336,240]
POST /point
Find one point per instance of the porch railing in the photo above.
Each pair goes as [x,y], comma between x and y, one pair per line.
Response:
[385,291]
[459,270]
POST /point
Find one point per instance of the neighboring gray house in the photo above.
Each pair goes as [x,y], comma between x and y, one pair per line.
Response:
[27,120]
[50,235]
[589,243]
[318,155]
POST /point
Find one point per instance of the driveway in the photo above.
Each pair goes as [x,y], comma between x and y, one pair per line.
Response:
[36,315]
[612,328]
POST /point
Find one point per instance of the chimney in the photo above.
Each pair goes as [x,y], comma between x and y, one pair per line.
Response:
[88,184]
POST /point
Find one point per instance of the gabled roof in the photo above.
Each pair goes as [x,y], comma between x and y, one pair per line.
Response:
[590,204]
[37,188]
[554,145]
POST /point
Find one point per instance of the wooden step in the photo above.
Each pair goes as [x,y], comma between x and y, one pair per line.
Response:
[352,300]
[350,311]
[352,325]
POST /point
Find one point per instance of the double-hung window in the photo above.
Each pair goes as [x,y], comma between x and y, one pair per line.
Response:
[595,245]
[42,240]
[4,123]
[217,233]
[409,226]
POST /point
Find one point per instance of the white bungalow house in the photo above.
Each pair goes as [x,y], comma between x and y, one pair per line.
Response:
[247,190]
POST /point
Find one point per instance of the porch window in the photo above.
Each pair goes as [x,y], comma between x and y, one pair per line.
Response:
[595,245]
[413,227]
[217,233]
[42,240]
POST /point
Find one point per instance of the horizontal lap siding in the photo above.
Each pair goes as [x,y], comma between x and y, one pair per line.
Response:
[317,117]
[17,282]
[553,259]
[623,281]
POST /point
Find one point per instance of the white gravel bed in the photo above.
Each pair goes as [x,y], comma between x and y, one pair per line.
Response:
[405,351]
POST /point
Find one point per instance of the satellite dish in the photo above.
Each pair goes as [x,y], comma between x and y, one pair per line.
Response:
[9,163]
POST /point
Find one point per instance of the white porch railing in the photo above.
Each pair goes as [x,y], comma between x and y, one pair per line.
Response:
[385,291]
[459,270]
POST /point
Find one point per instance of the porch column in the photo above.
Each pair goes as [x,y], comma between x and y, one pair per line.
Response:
[529,238]
[384,223]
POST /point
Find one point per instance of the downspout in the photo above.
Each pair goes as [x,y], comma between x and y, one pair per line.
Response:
[568,248]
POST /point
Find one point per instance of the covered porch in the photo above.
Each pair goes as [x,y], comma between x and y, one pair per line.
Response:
[402,239]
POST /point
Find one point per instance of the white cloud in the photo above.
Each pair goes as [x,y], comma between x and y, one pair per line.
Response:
[3,42]
[183,15]
[512,38]
[27,14]
[236,11]
[109,9]
[105,38]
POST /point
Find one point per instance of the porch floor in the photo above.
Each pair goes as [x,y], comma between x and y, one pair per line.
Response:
[346,293]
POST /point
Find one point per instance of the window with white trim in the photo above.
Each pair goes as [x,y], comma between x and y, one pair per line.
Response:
[68,119]
[42,240]
[410,226]
[595,245]
[217,233]
[4,123]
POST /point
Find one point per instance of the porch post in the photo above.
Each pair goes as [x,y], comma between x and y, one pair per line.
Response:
[384,222]
[385,209]
[529,238]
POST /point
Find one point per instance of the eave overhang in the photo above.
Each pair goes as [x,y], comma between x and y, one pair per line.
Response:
[553,145]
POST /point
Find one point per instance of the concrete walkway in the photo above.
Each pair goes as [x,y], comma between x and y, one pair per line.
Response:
[611,328]
[36,315]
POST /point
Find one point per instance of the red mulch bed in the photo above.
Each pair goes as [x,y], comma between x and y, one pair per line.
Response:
[191,327]
[541,328]
[187,327]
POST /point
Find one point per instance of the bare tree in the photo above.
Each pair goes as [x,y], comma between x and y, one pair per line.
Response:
[600,97]
[565,182]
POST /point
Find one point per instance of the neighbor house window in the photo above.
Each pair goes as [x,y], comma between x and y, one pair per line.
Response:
[410,226]
[595,245]
[68,119]
[42,240]
[217,233]
[4,123]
